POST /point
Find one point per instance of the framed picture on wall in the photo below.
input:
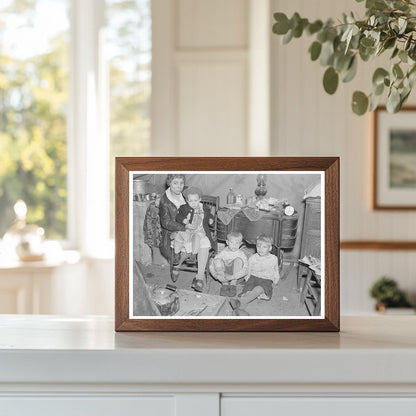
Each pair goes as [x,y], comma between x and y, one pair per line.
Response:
[394,179]
[227,244]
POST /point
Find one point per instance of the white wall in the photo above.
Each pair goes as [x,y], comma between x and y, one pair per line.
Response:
[308,122]
[200,75]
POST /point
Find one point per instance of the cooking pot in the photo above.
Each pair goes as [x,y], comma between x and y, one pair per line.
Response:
[166,300]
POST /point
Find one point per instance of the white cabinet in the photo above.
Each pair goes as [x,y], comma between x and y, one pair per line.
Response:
[322,406]
[53,365]
[26,291]
[88,406]
[66,286]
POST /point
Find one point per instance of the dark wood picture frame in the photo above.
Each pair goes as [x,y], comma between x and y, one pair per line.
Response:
[328,165]
[376,204]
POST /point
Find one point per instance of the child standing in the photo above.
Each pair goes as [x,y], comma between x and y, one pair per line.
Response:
[197,220]
[263,272]
[230,264]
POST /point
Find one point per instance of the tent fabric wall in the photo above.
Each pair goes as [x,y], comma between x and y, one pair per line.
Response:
[281,186]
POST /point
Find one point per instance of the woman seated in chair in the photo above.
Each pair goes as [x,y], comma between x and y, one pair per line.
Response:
[169,206]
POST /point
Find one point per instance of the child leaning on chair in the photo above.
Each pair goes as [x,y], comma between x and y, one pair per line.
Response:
[197,221]
[261,271]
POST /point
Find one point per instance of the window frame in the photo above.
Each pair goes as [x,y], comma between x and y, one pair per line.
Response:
[87,133]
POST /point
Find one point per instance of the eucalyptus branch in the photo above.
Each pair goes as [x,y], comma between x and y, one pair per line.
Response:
[388,26]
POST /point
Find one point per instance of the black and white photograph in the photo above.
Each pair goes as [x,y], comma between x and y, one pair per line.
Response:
[226,244]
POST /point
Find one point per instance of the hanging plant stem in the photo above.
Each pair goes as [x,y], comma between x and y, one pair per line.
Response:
[388,26]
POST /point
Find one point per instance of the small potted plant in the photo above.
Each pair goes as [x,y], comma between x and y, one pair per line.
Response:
[387,294]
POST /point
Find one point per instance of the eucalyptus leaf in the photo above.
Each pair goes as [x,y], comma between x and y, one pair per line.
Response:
[353,31]
[404,96]
[341,62]
[298,30]
[350,18]
[314,27]
[346,34]
[350,73]
[281,27]
[389,43]
[315,50]
[327,54]
[411,79]
[402,22]
[322,36]
[395,52]
[359,103]
[376,4]
[379,75]
[374,102]
[337,44]
[355,41]
[288,37]
[294,21]
[400,5]
[394,26]
[378,89]
[399,85]
[412,70]
[412,52]
[376,36]
[411,76]
[383,18]
[397,71]
[330,80]
[366,53]
[393,101]
[403,56]
[367,42]
[380,49]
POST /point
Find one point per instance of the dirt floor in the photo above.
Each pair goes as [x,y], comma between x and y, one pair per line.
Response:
[285,300]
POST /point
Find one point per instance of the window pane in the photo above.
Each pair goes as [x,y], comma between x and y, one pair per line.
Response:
[129,46]
[33,99]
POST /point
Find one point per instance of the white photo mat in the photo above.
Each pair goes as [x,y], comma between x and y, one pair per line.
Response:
[269,174]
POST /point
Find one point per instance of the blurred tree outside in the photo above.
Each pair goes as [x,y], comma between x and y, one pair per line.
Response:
[33,99]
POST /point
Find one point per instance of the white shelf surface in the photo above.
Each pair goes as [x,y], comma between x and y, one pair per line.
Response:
[369,350]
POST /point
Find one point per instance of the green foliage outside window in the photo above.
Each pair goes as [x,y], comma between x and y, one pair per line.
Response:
[34,102]
[33,97]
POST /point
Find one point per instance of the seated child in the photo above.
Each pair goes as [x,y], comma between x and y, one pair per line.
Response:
[197,220]
[230,263]
[263,272]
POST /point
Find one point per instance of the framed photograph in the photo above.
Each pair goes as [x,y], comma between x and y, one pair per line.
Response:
[227,244]
[394,181]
